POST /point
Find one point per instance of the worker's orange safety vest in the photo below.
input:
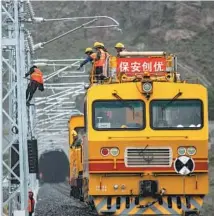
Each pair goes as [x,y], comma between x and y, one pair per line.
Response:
[101,61]
[37,76]
[30,205]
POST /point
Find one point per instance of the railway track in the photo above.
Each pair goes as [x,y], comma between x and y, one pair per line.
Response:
[62,188]
[55,200]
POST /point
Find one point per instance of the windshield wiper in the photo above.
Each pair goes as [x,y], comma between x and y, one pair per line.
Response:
[172,100]
[115,94]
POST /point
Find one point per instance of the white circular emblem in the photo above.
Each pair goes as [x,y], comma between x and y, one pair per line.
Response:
[184,165]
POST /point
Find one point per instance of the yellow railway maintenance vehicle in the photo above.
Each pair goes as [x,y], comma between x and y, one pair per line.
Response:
[146,146]
[76,130]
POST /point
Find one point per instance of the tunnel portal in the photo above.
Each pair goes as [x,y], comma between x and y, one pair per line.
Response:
[53,167]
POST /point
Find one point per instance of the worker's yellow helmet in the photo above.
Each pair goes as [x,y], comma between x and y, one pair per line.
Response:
[119,45]
[74,133]
[102,45]
[89,49]
[98,44]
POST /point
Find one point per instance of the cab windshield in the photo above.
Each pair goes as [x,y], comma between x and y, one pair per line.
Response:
[176,114]
[118,115]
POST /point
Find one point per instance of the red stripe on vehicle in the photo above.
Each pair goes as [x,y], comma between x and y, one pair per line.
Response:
[105,159]
[108,159]
[121,167]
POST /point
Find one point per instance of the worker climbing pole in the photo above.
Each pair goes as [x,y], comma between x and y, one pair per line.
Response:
[36,82]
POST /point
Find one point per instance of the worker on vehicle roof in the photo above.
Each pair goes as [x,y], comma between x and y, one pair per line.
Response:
[119,48]
[90,57]
[36,81]
[100,60]
[102,46]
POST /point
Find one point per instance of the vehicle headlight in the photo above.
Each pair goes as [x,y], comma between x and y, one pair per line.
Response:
[191,151]
[114,152]
[116,187]
[147,87]
[181,151]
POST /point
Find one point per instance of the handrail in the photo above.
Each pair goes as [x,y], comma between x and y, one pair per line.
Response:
[146,53]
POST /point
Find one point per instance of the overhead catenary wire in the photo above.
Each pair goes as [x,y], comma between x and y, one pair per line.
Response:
[40,45]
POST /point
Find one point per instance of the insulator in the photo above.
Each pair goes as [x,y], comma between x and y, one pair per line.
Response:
[39,19]
[30,41]
[30,8]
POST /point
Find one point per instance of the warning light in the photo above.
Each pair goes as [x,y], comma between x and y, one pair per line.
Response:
[104,151]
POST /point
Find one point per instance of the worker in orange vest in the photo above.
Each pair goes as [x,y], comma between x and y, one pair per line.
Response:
[102,46]
[31,203]
[100,61]
[36,81]
[90,57]
[106,68]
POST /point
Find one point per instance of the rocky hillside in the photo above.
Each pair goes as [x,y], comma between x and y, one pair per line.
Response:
[184,28]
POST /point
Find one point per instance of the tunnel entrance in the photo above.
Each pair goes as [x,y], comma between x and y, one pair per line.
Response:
[53,167]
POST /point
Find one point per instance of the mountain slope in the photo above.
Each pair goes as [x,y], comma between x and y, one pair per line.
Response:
[183,28]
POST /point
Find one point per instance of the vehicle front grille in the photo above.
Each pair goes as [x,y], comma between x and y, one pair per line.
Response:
[148,157]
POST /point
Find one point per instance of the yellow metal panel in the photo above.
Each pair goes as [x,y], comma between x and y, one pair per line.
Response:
[172,184]
[161,90]
[75,121]
[72,162]
[102,185]
[94,147]
[79,164]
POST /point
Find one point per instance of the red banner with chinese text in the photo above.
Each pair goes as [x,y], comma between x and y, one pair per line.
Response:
[137,66]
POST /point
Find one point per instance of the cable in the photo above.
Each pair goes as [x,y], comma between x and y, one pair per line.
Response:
[138,88]
[162,192]
[29,124]
[148,204]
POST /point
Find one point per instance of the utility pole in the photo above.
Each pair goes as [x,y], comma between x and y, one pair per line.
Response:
[1,119]
[13,108]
